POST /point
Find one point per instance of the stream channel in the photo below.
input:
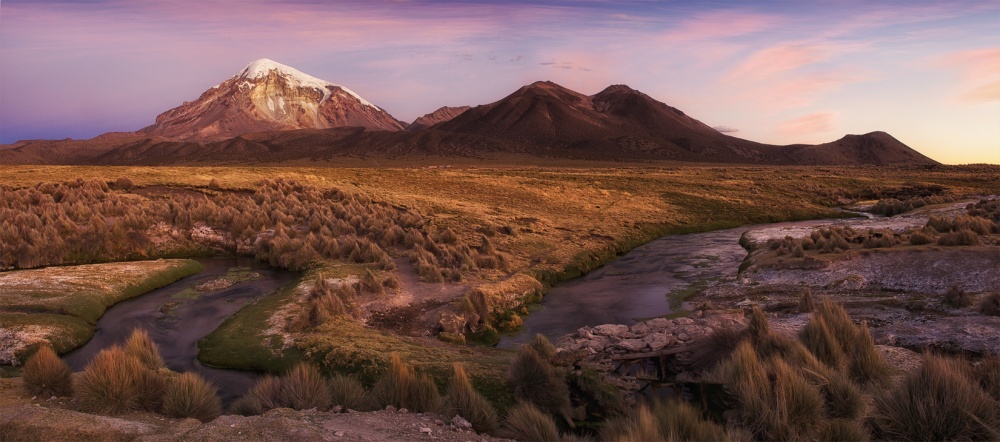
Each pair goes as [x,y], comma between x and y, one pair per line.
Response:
[646,282]
[177,316]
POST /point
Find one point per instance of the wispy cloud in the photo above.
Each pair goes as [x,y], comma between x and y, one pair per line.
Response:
[809,124]
[980,73]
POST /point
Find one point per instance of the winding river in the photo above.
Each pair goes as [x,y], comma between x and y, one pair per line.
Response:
[642,283]
[177,316]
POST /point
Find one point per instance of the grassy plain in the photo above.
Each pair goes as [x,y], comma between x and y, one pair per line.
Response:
[63,303]
[552,223]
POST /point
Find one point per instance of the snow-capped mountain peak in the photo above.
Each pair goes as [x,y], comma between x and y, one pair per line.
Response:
[261,68]
[268,96]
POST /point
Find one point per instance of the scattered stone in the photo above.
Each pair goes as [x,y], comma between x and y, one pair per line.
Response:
[425,430]
[339,434]
[403,410]
[640,328]
[337,409]
[611,329]
[659,340]
[438,422]
[460,422]
[632,344]
[659,323]
[390,408]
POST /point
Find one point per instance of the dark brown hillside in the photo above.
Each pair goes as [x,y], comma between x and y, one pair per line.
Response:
[877,148]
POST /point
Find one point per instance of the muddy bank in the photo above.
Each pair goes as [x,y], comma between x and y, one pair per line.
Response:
[180,314]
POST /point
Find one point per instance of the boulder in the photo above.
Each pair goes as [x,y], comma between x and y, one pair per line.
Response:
[632,344]
[611,329]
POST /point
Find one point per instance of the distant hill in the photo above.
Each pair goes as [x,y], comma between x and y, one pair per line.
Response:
[271,113]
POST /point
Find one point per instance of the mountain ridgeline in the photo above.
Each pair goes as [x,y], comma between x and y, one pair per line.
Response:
[270,113]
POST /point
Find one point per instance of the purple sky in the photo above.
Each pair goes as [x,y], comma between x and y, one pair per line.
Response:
[777,72]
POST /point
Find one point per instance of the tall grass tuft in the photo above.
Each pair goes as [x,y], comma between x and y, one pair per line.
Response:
[46,375]
[264,395]
[304,387]
[188,395]
[818,338]
[717,346]
[465,401]
[866,363]
[758,327]
[108,384]
[837,321]
[680,421]
[806,302]
[798,404]
[401,387]
[535,380]
[844,399]
[600,394]
[990,304]
[841,430]
[527,422]
[151,385]
[987,373]
[956,297]
[937,402]
[141,347]
[348,392]
[542,345]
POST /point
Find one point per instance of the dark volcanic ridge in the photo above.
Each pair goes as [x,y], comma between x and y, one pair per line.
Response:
[271,113]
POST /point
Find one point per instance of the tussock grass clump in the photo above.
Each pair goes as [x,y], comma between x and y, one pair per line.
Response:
[672,420]
[798,404]
[818,338]
[601,396]
[956,297]
[806,302]
[837,321]
[717,346]
[46,375]
[348,392]
[304,387]
[964,237]
[108,385]
[843,398]
[990,304]
[922,236]
[542,345]
[535,380]
[758,327]
[141,347]
[264,395]
[151,384]
[937,402]
[188,395]
[866,363]
[527,422]
[401,387]
[465,401]
[987,373]
[841,430]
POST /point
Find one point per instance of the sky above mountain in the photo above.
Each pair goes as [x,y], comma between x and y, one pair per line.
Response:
[777,72]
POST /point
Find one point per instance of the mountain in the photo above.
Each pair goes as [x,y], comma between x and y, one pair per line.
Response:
[268,96]
[273,114]
[439,116]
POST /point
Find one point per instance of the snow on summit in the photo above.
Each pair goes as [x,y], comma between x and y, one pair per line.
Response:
[262,67]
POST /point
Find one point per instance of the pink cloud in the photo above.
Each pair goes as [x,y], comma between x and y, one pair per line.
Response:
[720,25]
[980,71]
[767,62]
[808,124]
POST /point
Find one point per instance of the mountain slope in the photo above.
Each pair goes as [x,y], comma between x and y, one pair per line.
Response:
[439,116]
[268,96]
[877,148]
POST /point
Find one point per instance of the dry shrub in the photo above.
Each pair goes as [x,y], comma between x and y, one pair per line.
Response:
[371,283]
[937,402]
[108,384]
[717,346]
[640,426]
[46,375]
[681,421]
[535,380]
[188,395]
[866,363]
[141,347]
[465,401]
[990,304]
[402,388]
[527,422]
[264,395]
[956,297]
[304,387]
[964,237]
[348,392]
[476,303]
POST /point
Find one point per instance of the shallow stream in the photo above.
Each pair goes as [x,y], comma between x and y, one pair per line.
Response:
[177,316]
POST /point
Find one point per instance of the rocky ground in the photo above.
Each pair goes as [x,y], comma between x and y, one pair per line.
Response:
[34,419]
